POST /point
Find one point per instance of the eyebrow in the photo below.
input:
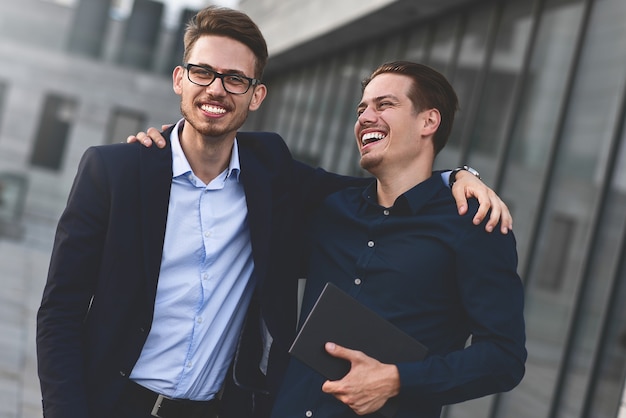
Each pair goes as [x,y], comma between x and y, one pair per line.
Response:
[378,99]
[228,71]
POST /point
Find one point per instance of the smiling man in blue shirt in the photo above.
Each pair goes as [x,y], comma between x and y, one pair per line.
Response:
[399,247]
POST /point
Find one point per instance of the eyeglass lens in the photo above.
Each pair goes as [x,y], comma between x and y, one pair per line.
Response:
[232,83]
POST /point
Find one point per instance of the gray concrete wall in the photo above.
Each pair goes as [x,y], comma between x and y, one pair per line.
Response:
[33,64]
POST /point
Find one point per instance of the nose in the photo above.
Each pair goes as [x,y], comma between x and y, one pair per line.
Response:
[216,88]
[367,116]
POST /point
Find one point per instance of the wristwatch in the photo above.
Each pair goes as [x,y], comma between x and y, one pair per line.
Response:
[456,170]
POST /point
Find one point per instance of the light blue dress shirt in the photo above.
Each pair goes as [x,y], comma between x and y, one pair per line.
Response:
[205,284]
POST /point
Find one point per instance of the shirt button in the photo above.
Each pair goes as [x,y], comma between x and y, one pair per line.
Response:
[370,244]
[386,212]
[207,234]
[357,281]
[189,364]
[205,276]
[199,320]
[308,414]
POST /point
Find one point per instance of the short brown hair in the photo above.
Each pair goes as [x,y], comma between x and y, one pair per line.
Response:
[431,90]
[222,21]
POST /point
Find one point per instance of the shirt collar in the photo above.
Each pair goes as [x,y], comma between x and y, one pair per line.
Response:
[411,201]
[181,166]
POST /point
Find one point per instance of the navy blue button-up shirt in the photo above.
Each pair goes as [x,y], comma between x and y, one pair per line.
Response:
[430,272]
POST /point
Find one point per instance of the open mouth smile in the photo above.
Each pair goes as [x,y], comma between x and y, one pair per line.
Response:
[371,137]
[216,110]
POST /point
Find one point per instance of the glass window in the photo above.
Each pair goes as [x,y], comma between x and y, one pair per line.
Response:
[284,108]
[444,46]
[570,159]
[554,255]
[537,116]
[605,392]
[324,109]
[54,125]
[304,94]
[12,197]
[122,122]
[392,49]
[141,35]
[584,162]
[303,128]
[3,93]
[348,77]
[417,44]
[488,129]
[466,76]
[595,372]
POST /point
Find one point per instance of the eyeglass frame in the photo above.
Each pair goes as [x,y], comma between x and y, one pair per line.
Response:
[253,81]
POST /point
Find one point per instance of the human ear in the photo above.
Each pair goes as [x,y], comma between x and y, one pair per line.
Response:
[177,79]
[432,119]
[258,95]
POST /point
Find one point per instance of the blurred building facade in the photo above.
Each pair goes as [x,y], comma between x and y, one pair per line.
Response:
[542,86]
[73,73]
[542,89]
[74,76]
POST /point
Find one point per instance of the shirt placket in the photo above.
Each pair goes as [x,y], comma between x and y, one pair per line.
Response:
[370,242]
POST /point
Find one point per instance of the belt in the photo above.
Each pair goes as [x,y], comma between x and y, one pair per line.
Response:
[163,407]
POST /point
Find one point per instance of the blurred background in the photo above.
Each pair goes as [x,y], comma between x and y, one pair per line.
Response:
[542,86]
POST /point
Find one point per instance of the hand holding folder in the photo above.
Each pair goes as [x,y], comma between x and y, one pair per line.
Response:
[339,318]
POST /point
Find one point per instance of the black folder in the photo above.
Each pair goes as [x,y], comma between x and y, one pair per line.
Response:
[337,317]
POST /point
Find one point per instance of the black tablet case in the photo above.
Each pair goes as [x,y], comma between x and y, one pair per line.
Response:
[338,317]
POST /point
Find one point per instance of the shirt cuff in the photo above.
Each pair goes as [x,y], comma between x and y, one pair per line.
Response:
[445,177]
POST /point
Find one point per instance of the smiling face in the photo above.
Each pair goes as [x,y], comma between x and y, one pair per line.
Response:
[211,111]
[390,133]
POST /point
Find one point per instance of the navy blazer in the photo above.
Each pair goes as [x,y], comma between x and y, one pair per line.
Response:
[98,301]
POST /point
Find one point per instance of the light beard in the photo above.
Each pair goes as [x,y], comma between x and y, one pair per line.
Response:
[369,164]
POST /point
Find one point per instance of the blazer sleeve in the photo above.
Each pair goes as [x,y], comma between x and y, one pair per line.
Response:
[315,184]
[74,265]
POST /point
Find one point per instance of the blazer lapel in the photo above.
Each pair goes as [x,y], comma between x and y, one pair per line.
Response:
[256,184]
[155,184]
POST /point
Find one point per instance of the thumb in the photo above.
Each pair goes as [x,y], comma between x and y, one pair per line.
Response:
[339,351]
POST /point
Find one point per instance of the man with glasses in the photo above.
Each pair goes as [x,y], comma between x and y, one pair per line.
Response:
[163,255]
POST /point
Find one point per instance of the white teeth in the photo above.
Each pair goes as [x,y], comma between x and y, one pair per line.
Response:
[372,136]
[213,109]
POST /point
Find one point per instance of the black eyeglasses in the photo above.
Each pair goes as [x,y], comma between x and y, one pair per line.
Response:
[232,83]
